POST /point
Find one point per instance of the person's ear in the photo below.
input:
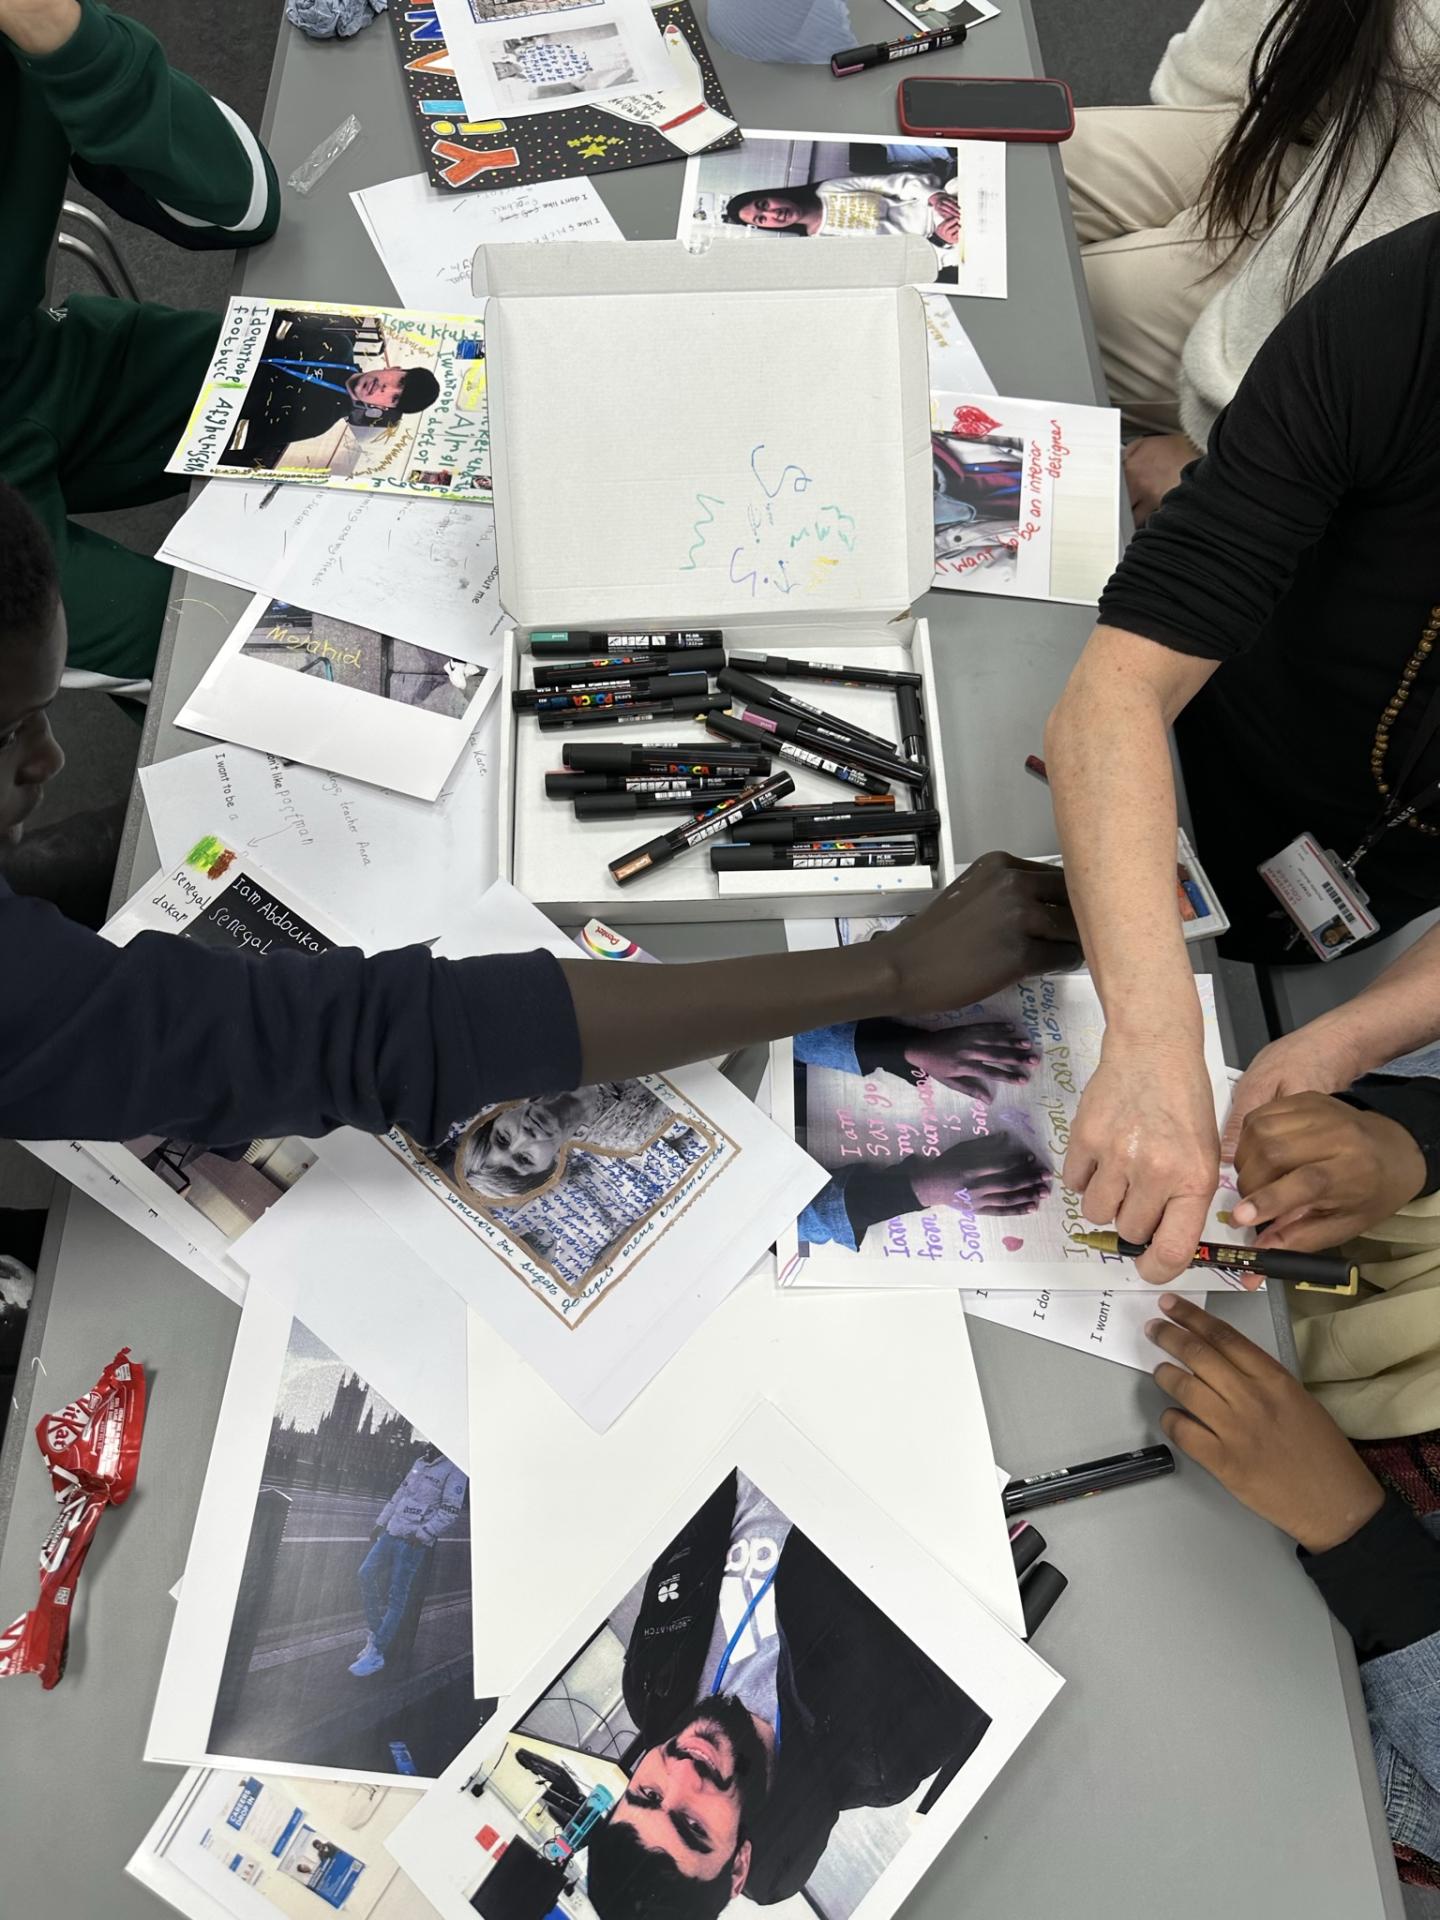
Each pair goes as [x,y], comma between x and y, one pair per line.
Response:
[739,1869]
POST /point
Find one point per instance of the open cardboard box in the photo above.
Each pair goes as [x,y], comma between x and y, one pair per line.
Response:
[737,439]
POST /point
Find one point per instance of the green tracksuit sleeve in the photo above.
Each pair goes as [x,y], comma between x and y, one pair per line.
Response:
[151,142]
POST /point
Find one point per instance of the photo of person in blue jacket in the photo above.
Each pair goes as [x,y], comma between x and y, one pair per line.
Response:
[426,1504]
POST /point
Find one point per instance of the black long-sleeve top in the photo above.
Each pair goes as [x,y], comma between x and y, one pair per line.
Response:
[1301,552]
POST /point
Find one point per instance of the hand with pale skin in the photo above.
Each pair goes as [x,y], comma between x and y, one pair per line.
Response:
[976,1059]
[1153,465]
[1314,1172]
[1144,1152]
[1245,1419]
[946,209]
[38,27]
[994,1175]
[1313,1059]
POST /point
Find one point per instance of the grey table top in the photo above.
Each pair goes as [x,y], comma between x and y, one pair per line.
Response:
[1208,1752]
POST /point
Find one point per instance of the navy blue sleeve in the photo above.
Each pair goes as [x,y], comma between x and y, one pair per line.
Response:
[1413,1101]
[169,1036]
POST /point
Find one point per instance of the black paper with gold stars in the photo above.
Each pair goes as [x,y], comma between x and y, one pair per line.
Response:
[467,156]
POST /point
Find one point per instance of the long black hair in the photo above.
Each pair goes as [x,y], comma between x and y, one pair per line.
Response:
[1331,73]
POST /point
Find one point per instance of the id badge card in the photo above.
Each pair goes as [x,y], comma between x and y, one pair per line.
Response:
[1320,897]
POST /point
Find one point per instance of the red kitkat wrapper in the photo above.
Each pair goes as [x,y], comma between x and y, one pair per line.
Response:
[92,1448]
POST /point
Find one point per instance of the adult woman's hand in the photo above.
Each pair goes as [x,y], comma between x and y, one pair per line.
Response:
[1313,1059]
[1144,1150]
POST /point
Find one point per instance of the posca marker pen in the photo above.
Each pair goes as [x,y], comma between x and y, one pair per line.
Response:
[554,642]
[609,693]
[787,666]
[881,824]
[746,859]
[663,756]
[731,729]
[828,740]
[626,666]
[761,694]
[658,853]
[635,714]
[619,806]
[566,786]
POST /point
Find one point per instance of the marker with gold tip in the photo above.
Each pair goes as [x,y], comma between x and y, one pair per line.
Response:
[1310,1272]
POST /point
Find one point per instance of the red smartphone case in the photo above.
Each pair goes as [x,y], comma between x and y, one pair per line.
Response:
[1027,135]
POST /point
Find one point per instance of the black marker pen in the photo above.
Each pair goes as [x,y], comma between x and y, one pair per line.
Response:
[635,714]
[828,740]
[619,806]
[882,824]
[916,744]
[609,693]
[566,786]
[731,729]
[759,693]
[787,666]
[657,853]
[552,643]
[627,666]
[818,857]
[1094,1476]
[664,756]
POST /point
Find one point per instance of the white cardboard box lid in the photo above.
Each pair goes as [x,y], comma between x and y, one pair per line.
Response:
[709,439]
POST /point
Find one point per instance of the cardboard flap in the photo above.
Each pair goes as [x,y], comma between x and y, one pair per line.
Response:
[580,267]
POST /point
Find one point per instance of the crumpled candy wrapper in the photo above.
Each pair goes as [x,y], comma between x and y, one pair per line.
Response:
[92,1448]
[332,19]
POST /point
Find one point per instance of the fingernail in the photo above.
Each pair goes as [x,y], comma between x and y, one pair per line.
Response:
[1168,1302]
[1152,1327]
[1243,1214]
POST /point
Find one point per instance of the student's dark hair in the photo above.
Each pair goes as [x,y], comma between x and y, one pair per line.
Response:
[513,1186]
[418,390]
[1335,73]
[804,197]
[29,580]
[625,1880]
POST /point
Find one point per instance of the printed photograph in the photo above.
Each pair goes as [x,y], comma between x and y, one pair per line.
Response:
[350,1644]
[559,62]
[800,188]
[575,1186]
[341,654]
[746,1726]
[347,395]
[979,482]
[485,11]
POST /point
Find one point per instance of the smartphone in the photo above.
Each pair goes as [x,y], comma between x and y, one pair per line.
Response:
[971,109]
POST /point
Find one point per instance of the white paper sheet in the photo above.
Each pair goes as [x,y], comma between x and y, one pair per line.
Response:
[214,1854]
[660,1196]
[257,1670]
[1110,1325]
[951,193]
[568,57]
[448,1843]
[349,699]
[912,1436]
[423,569]
[955,365]
[964,1134]
[1027,496]
[390,863]
[427,239]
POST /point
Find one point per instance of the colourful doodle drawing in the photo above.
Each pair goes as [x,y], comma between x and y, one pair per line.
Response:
[468,156]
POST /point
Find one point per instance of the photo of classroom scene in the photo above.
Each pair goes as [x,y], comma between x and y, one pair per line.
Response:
[484,11]
[340,654]
[745,1728]
[341,395]
[557,62]
[350,1644]
[570,1178]
[851,188]
[231,1194]
[978,475]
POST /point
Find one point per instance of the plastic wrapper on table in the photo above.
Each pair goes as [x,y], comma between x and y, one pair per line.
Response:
[332,19]
[92,1448]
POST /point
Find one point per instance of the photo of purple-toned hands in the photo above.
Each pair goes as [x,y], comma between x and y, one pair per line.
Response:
[996,1175]
[976,1059]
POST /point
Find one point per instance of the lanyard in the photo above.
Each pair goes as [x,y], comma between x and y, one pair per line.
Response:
[1393,814]
[734,1640]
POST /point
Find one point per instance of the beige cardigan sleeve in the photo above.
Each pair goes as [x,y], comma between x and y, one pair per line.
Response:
[1208,65]
[1374,1362]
